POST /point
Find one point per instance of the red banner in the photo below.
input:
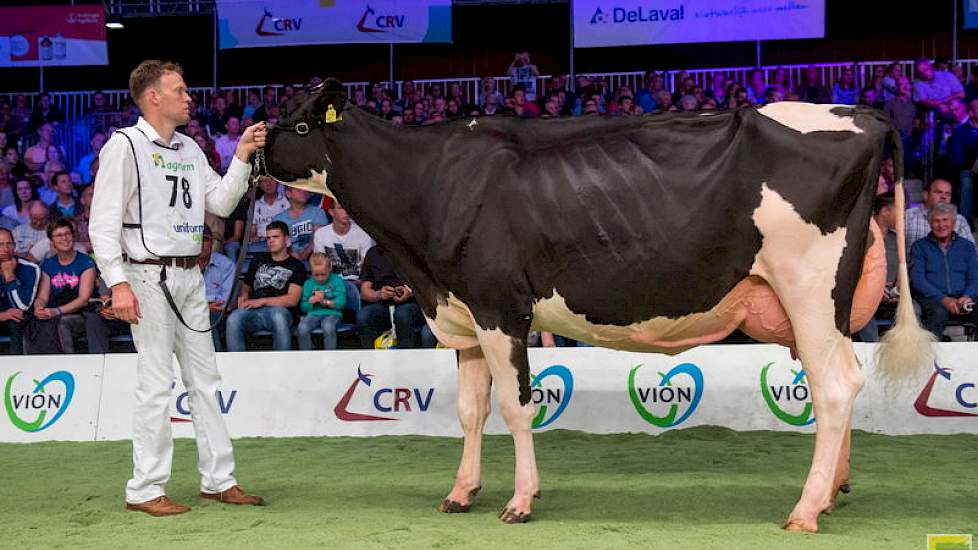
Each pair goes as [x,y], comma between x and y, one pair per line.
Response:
[53,36]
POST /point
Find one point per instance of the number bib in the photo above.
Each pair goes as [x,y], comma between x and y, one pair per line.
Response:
[171,197]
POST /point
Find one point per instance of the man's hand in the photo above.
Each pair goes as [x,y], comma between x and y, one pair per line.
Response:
[402,294]
[951,304]
[216,307]
[387,293]
[8,268]
[45,313]
[251,140]
[125,306]
[12,314]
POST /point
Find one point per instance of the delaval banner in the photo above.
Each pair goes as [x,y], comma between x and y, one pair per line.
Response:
[259,23]
[53,36]
[600,23]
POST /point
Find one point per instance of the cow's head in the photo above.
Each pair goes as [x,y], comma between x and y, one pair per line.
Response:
[297,152]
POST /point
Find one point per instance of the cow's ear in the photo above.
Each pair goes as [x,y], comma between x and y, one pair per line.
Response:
[332,95]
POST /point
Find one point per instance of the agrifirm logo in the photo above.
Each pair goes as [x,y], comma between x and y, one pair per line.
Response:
[181,405]
[160,162]
[371,21]
[787,396]
[38,400]
[954,395]
[949,542]
[616,15]
[677,394]
[551,392]
[381,399]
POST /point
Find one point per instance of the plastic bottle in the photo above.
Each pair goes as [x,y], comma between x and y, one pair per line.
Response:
[60,47]
[45,48]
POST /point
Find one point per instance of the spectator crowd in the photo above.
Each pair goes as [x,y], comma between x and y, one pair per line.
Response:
[313,272]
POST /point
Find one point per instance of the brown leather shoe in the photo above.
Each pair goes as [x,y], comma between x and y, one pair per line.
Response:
[234,495]
[160,506]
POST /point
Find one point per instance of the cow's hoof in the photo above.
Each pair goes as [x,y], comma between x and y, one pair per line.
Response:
[510,516]
[845,488]
[801,526]
[453,507]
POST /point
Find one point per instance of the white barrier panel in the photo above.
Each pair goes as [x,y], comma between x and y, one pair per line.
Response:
[364,393]
[50,397]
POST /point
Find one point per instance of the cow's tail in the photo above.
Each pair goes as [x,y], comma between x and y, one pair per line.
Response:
[906,348]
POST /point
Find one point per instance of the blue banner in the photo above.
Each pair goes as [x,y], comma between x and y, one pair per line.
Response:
[260,23]
[971,14]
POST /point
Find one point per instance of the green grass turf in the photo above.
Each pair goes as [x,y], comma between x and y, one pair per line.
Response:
[697,488]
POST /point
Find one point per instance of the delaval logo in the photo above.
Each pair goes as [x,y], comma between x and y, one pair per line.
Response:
[684,397]
[792,395]
[964,393]
[269,25]
[43,399]
[638,14]
[551,392]
[385,400]
[182,406]
[371,22]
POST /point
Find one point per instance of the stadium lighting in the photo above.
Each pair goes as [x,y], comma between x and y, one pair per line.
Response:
[113,25]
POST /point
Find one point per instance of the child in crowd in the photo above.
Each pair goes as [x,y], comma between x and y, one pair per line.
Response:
[323,300]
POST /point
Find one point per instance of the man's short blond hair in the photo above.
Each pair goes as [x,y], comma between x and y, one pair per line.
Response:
[148,74]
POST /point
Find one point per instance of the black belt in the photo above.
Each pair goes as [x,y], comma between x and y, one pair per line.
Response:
[186,262]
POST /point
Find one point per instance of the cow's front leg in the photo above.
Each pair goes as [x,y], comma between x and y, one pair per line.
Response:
[474,381]
[510,369]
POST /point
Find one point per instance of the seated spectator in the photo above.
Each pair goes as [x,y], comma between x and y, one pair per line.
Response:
[869,97]
[49,190]
[227,143]
[27,235]
[935,89]
[6,185]
[812,90]
[844,91]
[270,293]
[24,194]
[902,110]
[84,166]
[381,289]
[323,300]
[343,242]
[917,225]
[268,205]
[944,272]
[756,86]
[36,155]
[18,169]
[20,281]
[884,214]
[45,112]
[207,146]
[303,220]
[962,155]
[67,284]
[218,272]
[894,72]
[64,205]
[82,217]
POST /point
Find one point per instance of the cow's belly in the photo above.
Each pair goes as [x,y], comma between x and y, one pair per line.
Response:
[752,306]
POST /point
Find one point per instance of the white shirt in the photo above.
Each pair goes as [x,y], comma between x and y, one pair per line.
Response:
[264,213]
[354,246]
[172,217]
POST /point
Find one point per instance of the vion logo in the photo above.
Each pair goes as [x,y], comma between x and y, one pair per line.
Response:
[551,392]
[182,404]
[788,396]
[269,25]
[371,22]
[41,401]
[385,400]
[964,394]
[677,394]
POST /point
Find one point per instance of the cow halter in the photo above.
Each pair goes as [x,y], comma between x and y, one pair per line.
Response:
[302,127]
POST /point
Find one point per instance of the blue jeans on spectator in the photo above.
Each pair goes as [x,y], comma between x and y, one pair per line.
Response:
[967,194]
[276,319]
[374,319]
[310,323]
[936,316]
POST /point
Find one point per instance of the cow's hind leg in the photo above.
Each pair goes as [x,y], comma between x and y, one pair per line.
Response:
[474,381]
[510,367]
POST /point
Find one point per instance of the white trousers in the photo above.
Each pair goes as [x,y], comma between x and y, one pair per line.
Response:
[157,337]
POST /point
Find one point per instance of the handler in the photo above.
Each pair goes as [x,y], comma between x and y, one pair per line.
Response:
[151,191]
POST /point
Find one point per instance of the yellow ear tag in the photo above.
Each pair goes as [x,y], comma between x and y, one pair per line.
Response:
[331,115]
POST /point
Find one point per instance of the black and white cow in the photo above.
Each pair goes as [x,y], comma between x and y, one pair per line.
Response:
[654,233]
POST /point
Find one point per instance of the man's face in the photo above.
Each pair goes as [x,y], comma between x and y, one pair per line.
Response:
[297,196]
[98,100]
[63,184]
[926,70]
[6,246]
[172,98]
[940,191]
[206,247]
[45,132]
[958,110]
[276,240]
[39,216]
[269,186]
[869,97]
[339,214]
[942,225]
[233,125]
[903,86]
[193,127]
[98,141]
[408,116]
